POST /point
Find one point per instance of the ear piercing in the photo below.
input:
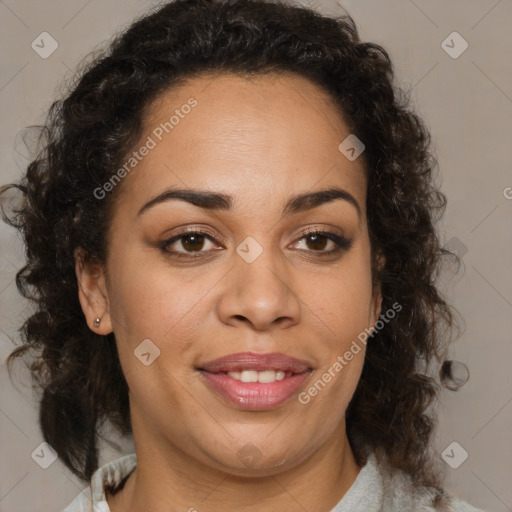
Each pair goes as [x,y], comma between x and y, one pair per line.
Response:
[97,322]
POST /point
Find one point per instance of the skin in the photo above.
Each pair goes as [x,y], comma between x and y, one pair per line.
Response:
[260,141]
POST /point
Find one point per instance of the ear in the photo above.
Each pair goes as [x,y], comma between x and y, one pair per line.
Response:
[376,305]
[93,293]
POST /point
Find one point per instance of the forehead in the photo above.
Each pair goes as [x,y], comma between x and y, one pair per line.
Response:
[245,136]
[251,109]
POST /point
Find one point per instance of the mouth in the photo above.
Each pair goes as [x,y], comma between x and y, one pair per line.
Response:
[263,377]
[255,381]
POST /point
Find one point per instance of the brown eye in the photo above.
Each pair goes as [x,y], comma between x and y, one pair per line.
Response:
[193,242]
[184,245]
[317,241]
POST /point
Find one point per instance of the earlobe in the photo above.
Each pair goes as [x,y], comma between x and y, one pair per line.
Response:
[376,305]
[93,294]
[377,293]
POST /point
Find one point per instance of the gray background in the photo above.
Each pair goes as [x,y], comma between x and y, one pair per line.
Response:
[467,104]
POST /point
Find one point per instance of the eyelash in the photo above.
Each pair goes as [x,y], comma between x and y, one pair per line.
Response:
[341,242]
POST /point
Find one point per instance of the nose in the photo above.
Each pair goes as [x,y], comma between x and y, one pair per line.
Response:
[260,293]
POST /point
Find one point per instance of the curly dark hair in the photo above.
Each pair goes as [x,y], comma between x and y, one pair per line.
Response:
[87,136]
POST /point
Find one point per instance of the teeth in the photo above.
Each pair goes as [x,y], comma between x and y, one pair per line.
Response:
[265,376]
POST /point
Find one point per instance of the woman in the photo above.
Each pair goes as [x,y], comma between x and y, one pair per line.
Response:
[231,242]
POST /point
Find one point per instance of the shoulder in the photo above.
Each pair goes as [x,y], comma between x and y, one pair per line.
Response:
[400,493]
[110,474]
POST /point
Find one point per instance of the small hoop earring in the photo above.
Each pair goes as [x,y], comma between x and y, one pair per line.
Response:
[97,322]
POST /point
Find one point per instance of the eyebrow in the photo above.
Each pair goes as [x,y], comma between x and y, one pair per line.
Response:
[209,200]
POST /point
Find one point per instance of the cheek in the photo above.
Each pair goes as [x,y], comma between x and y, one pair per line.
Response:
[149,300]
[341,308]
[340,302]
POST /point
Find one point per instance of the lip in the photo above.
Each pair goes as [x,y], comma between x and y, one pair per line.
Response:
[254,361]
[255,396]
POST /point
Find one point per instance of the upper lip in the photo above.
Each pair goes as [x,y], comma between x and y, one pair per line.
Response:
[254,361]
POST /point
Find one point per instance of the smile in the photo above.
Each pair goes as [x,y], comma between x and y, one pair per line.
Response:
[255,382]
[263,377]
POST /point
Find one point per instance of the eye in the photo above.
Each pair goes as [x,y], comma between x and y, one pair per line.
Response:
[191,244]
[318,240]
[190,241]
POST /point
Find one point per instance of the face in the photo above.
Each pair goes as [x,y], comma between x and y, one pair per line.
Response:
[278,281]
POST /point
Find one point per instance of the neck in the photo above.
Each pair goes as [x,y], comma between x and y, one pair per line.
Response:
[183,483]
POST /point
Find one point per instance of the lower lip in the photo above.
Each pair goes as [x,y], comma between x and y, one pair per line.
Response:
[254,395]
